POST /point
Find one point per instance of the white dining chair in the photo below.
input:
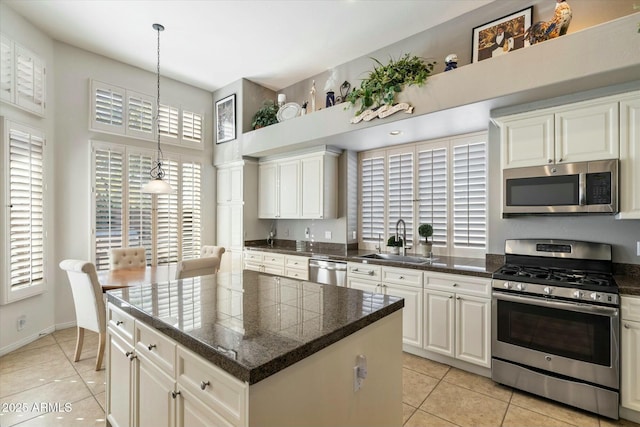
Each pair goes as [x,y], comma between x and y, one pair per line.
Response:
[197,267]
[127,258]
[89,304]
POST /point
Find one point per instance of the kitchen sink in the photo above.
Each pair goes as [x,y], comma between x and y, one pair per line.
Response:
[400,258]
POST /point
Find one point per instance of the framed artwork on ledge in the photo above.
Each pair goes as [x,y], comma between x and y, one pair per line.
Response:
[226,119]
[501,36]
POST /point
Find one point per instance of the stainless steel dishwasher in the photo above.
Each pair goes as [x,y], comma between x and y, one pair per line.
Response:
[328,272]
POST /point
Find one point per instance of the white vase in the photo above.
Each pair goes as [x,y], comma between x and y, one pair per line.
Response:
[393,250]
[425,249]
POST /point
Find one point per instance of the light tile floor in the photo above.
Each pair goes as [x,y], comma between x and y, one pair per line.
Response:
[43,372]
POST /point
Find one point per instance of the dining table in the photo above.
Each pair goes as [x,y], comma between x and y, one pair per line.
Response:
[126,277]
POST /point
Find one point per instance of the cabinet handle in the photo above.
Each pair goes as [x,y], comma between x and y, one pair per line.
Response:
[455,284]
[119,322]
[401,277]
[549,161]
[458,298]
[175,394]
[151,346]
[130,355]
[204,384]
[450,296]
[560,160]
[627,326]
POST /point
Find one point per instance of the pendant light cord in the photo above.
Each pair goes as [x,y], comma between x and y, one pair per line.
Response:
[157,172]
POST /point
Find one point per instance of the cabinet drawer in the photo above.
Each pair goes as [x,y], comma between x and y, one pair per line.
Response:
[469,285]
[296,273]
[273,259]
[121,323]
[630,308]
[368,271]
[225,394]
[402,276]
[156,347]
[252,256]
[299,262]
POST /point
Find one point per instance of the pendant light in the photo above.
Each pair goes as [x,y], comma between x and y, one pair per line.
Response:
[157,185]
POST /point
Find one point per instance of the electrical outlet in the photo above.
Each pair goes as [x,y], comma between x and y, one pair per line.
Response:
[327,235]
[353,236]
[359,372]
[21,322]
[638,248]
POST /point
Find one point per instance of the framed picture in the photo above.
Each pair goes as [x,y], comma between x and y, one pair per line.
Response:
[226,119]
[501,36]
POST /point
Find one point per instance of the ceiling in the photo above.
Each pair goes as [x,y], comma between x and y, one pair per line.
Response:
[210,44]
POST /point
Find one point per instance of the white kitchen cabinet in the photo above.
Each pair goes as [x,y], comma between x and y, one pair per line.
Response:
[154,395]
[457,316]
[629,190]
[119,387]
[230,184]
[303,186]
[296,267]
[630,353]
[264,262]
[579,132]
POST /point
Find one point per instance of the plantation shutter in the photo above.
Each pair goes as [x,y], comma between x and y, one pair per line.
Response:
[30,80]
[373,201]
[108,200]
[6,69]
[107,108]
[191,127]
[140,115]
[140,212]
[469,195]
[400,193]
[168,121]
[167,217]
[191,214]
[432,192]
[26,212]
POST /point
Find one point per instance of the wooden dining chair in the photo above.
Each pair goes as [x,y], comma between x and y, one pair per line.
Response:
[197,267]
[127,258]
[89,304]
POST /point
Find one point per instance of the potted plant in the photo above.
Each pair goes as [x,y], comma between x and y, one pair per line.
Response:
[394,244]
[426,231]
[266,115]
[385,81]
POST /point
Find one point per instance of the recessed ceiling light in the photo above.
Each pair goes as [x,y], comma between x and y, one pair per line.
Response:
[395,132]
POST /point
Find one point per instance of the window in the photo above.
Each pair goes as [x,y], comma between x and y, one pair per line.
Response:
[22,77]
[167,225]
[442,183]
[122,111]
[24,158]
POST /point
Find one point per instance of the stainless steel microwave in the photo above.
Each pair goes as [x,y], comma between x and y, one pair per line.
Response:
[570,188]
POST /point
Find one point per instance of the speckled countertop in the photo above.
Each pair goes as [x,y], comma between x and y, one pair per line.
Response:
[253,325]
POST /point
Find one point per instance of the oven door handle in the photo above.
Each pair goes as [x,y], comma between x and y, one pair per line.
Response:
[571,306]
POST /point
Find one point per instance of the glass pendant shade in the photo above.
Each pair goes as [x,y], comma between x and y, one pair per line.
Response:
[157,186]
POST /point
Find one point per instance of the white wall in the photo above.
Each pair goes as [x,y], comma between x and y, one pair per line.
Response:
[67,196]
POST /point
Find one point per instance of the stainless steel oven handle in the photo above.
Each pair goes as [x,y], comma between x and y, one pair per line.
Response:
[546,302]
[582,192]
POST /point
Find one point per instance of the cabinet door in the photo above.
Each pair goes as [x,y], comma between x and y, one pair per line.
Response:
[439,322]
[587,133]
[268,190]
[472,329]
[630,366]
[155,403]
[223,186]
[527,141]
[363,285]
[224,225]
[236,185]
[630,159]
[412,313]
[236,230]
[289,189]
[192,412]
[313,187]
[119,390]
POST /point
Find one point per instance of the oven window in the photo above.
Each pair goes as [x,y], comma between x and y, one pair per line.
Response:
[543,191]
[580,336]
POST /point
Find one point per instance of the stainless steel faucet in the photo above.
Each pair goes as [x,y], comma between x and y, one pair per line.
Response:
[379,247]
[403,247]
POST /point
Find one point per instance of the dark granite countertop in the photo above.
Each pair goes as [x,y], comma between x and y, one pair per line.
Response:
[444,264]
[250,324]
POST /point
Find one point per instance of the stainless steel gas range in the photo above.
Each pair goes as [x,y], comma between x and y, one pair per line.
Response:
[555,323]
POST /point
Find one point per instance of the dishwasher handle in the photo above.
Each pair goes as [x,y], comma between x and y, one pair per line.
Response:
[327,265]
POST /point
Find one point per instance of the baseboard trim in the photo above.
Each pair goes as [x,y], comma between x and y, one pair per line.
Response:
[26,340]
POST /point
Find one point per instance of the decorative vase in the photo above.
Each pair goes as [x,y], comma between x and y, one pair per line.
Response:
[425,249]
[331,100]
[393,250]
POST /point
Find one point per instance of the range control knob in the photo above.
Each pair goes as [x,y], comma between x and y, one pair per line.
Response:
[578,294]
[548,290]
[521,286]
[508,285]
[595,296]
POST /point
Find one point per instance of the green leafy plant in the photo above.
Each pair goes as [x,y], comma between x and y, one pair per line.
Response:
[393,242]
[426,231]
[385,81]
[266,115]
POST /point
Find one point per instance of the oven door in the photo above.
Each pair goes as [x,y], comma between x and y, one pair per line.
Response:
[577,340]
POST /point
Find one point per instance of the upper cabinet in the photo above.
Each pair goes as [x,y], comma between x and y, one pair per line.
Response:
[630,158]
[22,77]
[304,186]
[577,133]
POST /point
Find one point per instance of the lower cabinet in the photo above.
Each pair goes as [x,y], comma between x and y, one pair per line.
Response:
[457,317]
[157,382]
[264,262]
[630,353]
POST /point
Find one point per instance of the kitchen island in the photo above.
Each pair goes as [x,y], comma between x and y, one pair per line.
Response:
[253,349]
